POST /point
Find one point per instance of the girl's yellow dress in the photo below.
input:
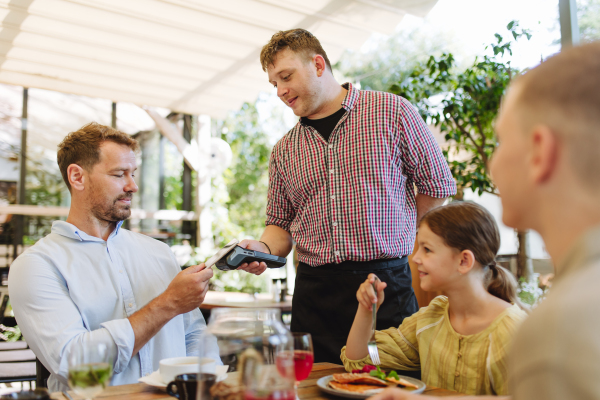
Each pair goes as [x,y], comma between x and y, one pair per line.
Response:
[473,364]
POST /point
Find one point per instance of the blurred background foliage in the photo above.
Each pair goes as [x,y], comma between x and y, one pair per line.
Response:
[588,15]
[44,187]
[463,103]
[246,180]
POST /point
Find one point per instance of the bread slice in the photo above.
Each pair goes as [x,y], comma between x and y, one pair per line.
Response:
[363,378]
[355,388]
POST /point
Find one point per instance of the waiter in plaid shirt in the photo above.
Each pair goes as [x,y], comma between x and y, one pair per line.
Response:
[342,186]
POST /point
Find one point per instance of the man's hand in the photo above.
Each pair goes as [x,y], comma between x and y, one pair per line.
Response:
[254,267]
[185,293]
[187,290]
[398,394]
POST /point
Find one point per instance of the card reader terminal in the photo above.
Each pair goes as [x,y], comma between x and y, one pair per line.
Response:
[232,256]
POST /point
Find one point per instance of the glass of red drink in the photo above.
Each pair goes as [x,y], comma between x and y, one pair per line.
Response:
[300,360]
[303,357]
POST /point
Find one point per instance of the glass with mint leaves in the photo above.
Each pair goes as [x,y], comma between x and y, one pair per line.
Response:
[90,369]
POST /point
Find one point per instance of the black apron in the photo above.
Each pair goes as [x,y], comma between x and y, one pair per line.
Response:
[324,302]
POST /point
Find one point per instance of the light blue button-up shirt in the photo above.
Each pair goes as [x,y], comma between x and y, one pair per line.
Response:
[70,288]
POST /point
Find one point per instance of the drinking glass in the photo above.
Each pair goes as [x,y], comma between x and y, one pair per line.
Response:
[255,344]
[90,369]
[303,356]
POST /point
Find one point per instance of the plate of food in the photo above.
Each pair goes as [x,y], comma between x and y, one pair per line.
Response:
[363,385]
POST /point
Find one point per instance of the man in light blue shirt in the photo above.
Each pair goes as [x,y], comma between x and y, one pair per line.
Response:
[90,279]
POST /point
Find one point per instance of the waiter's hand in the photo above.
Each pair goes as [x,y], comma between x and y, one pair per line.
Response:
[366,296]
[254,267]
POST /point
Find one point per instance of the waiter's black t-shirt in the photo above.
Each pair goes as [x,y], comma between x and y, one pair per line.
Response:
[325,125]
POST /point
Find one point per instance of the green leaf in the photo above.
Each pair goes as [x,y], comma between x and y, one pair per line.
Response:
[393,374]
[378,373]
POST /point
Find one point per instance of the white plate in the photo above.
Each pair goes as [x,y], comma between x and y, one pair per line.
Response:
[323,384]
[155,380]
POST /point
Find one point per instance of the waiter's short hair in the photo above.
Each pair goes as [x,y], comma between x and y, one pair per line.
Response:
[563,93]
[82,147]
[298,40]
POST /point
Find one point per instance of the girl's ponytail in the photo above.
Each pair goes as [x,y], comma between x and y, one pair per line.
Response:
[502,284]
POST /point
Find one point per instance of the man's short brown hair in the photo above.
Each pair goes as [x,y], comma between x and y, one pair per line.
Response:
[82,147]
[297,40]
[563,93]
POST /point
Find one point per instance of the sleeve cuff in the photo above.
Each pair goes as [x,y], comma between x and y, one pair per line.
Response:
[351,365]
[124,338]
[282,223]
[434,189]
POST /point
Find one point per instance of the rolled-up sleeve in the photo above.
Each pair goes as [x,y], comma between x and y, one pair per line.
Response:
[51,322]
[280,211]
[123,337]
[423,161]
[398,349]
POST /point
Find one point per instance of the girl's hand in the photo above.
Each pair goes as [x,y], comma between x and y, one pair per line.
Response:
[366,295]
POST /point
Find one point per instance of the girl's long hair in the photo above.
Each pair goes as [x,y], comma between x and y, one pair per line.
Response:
[468,226]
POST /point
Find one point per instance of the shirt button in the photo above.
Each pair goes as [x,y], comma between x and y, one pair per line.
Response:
[459,355]
[331,171]
[120,271]
[457,374]
[130,305]
[337,253]
[335,224]
[331,146]
[332,197]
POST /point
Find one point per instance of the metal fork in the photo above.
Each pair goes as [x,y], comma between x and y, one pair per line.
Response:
[372,344]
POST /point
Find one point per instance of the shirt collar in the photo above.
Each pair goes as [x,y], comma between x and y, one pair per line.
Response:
[352,96]
[585,250]
[349,101]
[70,231]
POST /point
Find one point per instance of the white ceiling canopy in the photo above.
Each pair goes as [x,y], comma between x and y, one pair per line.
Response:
[190,56]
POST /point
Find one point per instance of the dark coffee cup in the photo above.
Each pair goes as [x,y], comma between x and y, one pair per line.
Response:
[185,386]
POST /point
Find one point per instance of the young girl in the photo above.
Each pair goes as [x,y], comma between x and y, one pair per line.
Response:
[460,341]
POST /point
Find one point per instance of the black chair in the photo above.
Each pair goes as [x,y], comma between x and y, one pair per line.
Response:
[41,375]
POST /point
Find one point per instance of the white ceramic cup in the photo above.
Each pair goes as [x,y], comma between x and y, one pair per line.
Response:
[169,368]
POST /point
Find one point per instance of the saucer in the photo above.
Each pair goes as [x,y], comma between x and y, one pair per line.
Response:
[154,379]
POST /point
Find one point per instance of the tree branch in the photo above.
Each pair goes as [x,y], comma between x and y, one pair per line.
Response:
[482,133]
[468,134]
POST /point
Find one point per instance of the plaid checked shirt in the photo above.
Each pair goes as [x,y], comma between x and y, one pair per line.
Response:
[353,198]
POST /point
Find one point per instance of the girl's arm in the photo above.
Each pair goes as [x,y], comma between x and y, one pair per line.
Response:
[360,333]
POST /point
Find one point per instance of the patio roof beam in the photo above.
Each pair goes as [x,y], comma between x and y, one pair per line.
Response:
[569,28]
